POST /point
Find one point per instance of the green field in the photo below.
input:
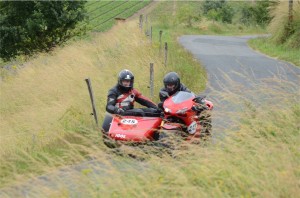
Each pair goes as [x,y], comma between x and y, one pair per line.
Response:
[102,14]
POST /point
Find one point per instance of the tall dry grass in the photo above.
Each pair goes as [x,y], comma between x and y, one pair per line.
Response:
[258,157]
[45,108]
[279,27]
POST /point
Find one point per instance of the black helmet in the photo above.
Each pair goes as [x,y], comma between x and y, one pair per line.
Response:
[125,75]
[172,78]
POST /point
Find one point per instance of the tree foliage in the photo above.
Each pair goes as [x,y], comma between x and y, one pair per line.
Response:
[218,11]
[187,14]
[257,13]
[30,26]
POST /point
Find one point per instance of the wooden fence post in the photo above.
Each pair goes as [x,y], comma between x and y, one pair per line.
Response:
[151,79]
[160,34]
[146,22]
[151,34]
[141,22]
[290,11]
[33,140]
[89,84]
[166,53]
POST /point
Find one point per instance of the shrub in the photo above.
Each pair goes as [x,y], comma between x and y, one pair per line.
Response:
[257,13]
[218,11]
[186,15]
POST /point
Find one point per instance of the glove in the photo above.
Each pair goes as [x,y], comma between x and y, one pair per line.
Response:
[199,108]
[119,111]
[160,106]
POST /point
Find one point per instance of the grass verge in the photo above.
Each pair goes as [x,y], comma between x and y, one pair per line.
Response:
[279,51]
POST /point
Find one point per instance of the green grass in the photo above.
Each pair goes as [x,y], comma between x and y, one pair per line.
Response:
[279,51]
[281,44]
[199,25]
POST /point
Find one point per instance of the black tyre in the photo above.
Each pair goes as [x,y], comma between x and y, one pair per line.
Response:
[205,121]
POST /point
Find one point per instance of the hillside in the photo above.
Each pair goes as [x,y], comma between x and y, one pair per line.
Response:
[48,135]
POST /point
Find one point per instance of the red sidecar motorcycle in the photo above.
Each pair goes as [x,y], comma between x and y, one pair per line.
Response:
[183,112]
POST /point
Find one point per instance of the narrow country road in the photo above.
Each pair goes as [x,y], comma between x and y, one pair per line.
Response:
[236,72]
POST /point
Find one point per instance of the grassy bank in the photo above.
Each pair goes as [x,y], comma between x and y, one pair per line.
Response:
[278,51]
[45,106]
[284,41]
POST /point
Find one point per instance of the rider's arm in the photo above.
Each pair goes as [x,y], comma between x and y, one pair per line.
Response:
[111,102]
[162,98]
[144,100]
[184,88]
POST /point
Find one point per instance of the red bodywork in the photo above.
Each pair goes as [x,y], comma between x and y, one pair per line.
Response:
[133,128]
[178,115]
[180,108]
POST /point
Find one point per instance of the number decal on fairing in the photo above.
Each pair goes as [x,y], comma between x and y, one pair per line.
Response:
[120,136]
[192,128]
[129,121]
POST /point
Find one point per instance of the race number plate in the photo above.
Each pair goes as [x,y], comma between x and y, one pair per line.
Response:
[129,121]
[192,127]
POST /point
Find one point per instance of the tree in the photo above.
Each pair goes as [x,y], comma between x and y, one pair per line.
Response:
[30,26]
[212,5]
[218,11]
[187,14]
[257,13]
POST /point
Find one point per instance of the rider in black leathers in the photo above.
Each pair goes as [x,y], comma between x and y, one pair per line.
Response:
[121,98]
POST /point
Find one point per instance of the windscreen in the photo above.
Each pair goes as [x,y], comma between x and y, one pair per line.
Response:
[182,96]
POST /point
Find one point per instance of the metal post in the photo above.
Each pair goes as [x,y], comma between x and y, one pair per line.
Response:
[151,79]
[89,84]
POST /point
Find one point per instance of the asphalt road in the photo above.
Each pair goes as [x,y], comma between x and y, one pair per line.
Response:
[236,74]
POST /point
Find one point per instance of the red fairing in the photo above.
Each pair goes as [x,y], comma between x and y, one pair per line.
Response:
[132,128]
[209,104]
[180,108]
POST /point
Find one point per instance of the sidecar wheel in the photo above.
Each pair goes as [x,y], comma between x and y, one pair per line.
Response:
[205,121]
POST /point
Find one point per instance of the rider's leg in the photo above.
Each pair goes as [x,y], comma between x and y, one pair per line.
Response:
[107,122]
